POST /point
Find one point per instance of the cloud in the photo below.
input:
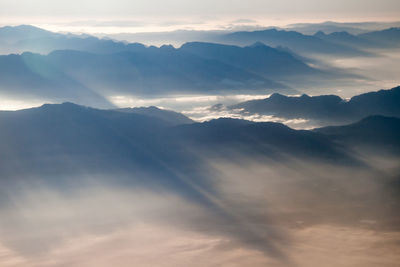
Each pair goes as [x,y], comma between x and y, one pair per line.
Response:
[244,21]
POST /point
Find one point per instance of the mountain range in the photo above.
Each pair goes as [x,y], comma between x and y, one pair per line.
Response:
[91,69]
[258,58]
[376,132]
[350,27]
[326,109]
[65,138]
[336,43]
[65,74]
[88,70]
[339,40]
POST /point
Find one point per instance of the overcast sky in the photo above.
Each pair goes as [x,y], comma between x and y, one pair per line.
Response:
[196,12]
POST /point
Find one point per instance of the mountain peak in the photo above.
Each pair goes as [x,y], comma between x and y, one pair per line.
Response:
[167,47]
[320,34]
[62,106]
[258,44]
[277,96]
[24,29]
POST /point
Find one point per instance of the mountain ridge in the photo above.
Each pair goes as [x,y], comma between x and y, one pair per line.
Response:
[326,108]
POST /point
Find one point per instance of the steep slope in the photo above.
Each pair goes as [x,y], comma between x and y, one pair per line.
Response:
[171,117]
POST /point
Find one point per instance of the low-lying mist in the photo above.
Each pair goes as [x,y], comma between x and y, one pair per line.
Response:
[252,211]
[377,70]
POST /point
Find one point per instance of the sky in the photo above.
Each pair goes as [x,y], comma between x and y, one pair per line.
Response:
[156,15]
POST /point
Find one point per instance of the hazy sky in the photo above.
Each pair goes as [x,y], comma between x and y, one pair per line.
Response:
[193,13]
[204,7]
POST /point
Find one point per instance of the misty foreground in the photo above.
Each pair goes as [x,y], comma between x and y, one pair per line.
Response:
[147,187]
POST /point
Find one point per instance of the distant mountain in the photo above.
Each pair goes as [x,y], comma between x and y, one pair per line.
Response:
[161,70]
[169,116]
[345,38]
[257,58]
[15,34]
[350,27]
[376,39]
[294,106]
[327,109]
[327,27]
[26,38]
[295,41]
[388,37]
[28,76]
[339,41]
[80,76]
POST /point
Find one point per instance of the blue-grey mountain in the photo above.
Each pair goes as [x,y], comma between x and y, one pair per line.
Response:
[326,109]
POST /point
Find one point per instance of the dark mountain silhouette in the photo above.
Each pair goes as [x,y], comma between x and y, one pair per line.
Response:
[327,109]
[171,117]
[383,102]
[378,132]
[65,138]
[294,106]
[59,143]
[231,137]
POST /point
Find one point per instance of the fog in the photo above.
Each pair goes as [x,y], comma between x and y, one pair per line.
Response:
[257,212]
[379,70]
